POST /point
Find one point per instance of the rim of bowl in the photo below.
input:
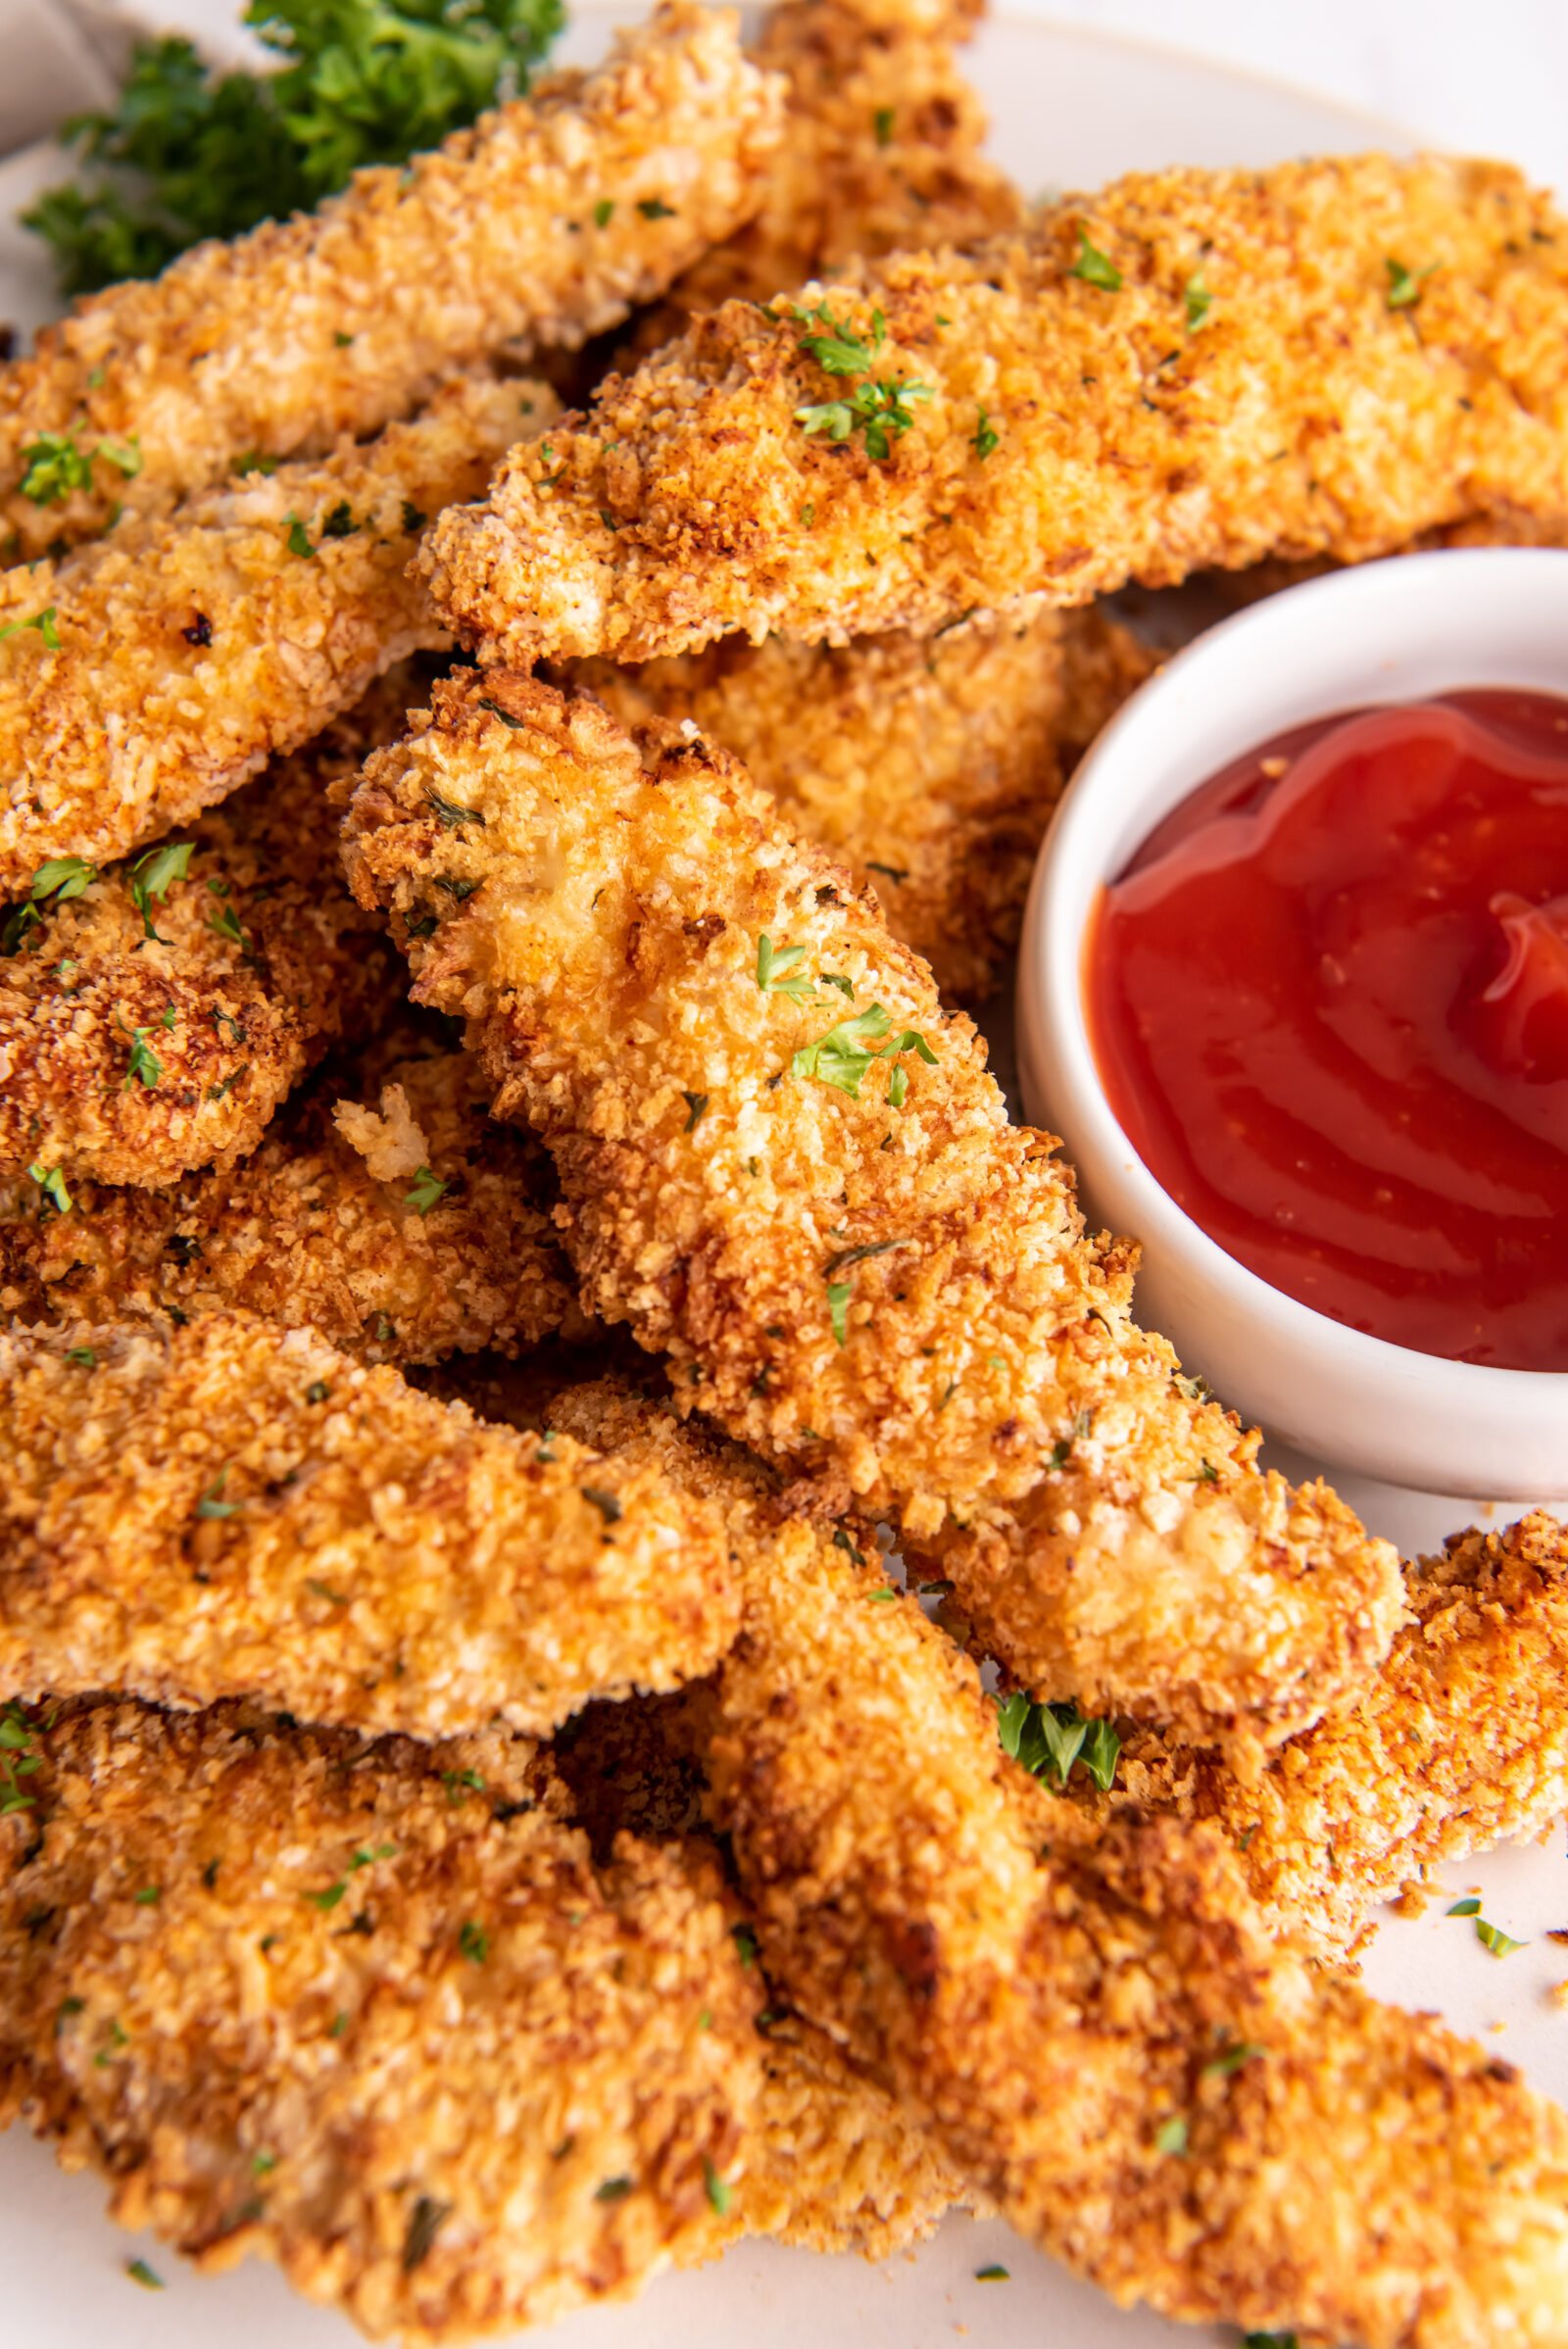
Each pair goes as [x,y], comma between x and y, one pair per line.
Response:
[1086,847]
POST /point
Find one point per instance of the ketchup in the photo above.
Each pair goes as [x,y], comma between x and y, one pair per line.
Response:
[1329,1004]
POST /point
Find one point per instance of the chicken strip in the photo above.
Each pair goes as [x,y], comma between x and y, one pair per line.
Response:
[1091,2013]
[341,2006]
[882,149]
[784,1165]
[549,219]
[232,1509]
[929,766]
[145,678]
[153,1015]
[1193,369]
[835,2163]
[1460,1740]
[438,1241]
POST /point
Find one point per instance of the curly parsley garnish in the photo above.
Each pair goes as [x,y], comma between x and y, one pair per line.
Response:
[185,153]
[1096,268]
[836,347]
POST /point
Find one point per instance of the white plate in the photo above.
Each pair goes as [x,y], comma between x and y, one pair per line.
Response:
[1070,108]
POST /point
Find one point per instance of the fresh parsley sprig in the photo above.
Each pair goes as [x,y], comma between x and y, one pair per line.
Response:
[185,153]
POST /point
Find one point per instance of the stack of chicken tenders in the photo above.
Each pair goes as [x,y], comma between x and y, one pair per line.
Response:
[536,1364]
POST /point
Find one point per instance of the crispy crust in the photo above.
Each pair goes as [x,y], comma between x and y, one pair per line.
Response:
[231,1510]
[881,150]
[304,1233]
[1303,416]
[1118,1540]
[232,1020]
[140,721]
[929,766]
[1459,1741]
[418,2134]
[340,321]
[1052,1989]
[835,2162]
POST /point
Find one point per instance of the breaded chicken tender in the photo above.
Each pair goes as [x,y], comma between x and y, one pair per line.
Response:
[1091,2013]
[145,678]
[929,766]
[784,1166]
[1193,369]
[549,219]
[455,1253]
[153,1015]
[237,1510]
[1459,1741]
[882,149]
[369,2011]
[835,2162]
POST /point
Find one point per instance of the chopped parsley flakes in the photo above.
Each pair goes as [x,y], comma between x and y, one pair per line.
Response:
[1404,285]
[153,876]
[840,1059]
[879,408]
[1197,298]
[1096,268]
[450,812]
[1491,1937]
[776,973]
[719,2194]
[143,1063]
[1171,2136]
[985,437]
[139,2273]
[51,1182]
[427,1189]
[297,543]
[43,622]
[473,1942]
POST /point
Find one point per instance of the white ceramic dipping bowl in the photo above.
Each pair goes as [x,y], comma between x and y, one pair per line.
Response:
[1392,631]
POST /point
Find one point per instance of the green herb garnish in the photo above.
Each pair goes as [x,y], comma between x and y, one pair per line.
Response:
[695,1104]
[187,154]
[719,2193]
[1404,285]
[1171,2136]
[450,812]
[882,125]
[604,211]
[878,408]
[52,1182]
[213,1503]
[473,1942]
[139,2273]
[840,1059]
[143,1063]
[43,622]
[425,2223]
[986,437]
[1231,2059]
[774,967]
[427,1189]
[653,207]
[1198,301]
[153,876]
[1053,1736]
[297,543]
[1096,268]
[1493,1937]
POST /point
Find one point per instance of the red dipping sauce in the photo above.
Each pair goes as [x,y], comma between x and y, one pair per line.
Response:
[1329,1004]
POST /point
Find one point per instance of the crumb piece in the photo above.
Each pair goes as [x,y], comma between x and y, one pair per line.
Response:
[1557,1995]
[391,1144]
[1412,1899]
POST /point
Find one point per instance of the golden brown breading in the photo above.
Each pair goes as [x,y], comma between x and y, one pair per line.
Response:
[1092,2014]
[1321,402]
[928,766]
[853,1260]
[1459,1741]
[882,149]
[305,1232]
[331,2004]
[834,2163]
[549,219]
[193,647]
[159,1017]
[233,1509]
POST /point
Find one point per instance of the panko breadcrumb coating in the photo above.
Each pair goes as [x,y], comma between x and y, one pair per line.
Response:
[158,1018]
[850,1256]
[369,2011]
[1091,2013]
[547,218]
[882,149]
[456,1255]
[929,765]
[236,1510]
[1459,1741]
[835,2163]
[1192,368]
[144,678]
